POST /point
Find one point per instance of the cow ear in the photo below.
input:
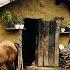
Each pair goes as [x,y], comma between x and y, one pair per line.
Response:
[17,45]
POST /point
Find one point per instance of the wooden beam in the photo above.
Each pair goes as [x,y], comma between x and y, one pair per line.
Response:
[20,59]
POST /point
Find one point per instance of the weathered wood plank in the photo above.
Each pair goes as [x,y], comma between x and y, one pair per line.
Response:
[57,45]
[40,47]
[53,44]
[45,41]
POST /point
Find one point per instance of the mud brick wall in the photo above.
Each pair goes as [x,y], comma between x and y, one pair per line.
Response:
[45,9]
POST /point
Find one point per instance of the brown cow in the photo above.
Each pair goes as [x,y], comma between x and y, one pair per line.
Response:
[8,53]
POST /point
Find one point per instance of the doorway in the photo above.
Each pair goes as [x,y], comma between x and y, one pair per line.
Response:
[41,36]
[29,40]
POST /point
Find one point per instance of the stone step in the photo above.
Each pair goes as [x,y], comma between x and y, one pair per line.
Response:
[44,68]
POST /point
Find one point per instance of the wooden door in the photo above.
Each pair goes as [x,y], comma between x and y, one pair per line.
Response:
[48,51]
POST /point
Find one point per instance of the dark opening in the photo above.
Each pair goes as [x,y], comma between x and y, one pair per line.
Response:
[29,40]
